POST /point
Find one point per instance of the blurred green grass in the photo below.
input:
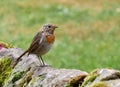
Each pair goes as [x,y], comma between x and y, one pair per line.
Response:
[88,37]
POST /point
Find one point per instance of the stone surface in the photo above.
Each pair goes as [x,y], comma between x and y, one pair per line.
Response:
[28,72]
[106,77]
[49,77]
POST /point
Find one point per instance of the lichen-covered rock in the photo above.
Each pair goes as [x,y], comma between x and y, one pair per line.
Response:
[21,69]
[103,78]
[5,45]
[49,77]
[5,70]
[29,73]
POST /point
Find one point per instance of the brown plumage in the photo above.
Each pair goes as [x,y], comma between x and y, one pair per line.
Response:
[41,44]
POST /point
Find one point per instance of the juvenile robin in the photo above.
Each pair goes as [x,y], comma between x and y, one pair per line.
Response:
[41,44]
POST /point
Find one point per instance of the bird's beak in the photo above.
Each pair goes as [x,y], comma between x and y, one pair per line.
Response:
[55,26]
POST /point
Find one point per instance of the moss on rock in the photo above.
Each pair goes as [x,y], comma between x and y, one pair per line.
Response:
[5,70]
[6,45]
[34,80]
[76,81]
[17,76]
[90,78]
[99,84]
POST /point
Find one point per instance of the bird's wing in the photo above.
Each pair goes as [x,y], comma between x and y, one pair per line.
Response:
[37,41]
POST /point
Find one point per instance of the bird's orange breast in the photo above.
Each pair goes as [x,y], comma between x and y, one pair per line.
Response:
[50,38]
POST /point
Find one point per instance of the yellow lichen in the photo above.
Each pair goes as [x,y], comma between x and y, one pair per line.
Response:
[99,84]
[6,45]
[5,70]
[90,78]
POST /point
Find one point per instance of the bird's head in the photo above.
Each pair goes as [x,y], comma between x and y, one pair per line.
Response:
[49,28]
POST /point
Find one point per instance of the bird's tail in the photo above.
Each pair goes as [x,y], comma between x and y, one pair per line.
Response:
[19,59]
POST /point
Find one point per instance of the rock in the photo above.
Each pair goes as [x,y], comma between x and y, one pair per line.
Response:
[56,77]
[103,78]
[29,73]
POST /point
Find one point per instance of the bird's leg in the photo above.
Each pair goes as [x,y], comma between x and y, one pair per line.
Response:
[42,61]
[43,64]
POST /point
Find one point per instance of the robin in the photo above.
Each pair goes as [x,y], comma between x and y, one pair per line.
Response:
[41,44]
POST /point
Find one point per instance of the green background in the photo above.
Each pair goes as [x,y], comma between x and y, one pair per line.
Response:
[88,36]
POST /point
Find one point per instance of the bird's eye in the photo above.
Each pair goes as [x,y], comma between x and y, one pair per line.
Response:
[49,26]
